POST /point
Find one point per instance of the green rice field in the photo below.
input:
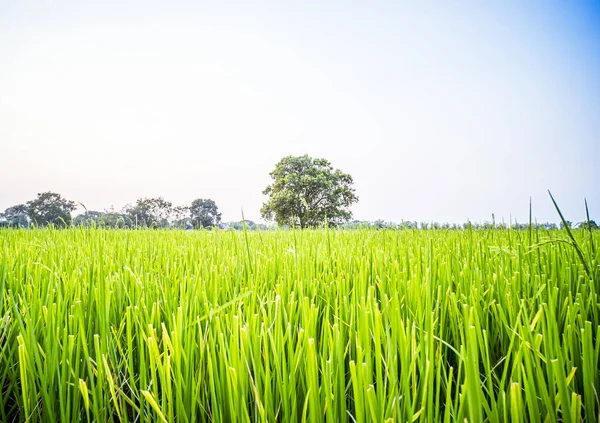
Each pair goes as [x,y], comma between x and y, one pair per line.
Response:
[314,325]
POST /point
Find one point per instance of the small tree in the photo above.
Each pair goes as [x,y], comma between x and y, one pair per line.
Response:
[113,219]
[562,225]
[50,208]
[204,213]
[180,217]
[150,212]
[16,216]
[585,225]
[308,192]
[89,218]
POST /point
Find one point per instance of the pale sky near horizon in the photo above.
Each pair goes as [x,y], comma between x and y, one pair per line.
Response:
[440,110]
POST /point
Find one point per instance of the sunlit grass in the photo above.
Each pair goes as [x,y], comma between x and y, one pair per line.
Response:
[148,326]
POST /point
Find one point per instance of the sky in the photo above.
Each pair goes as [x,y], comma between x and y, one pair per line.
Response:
[440,110]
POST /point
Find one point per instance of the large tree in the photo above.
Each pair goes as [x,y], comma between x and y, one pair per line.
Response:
[308,192]
[50,208]
[204,213]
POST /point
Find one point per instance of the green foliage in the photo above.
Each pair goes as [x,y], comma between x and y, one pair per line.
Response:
[89,218]
[588,225]
[113,219]
[15,210]
[149,213]
[308,192]
[239,226]
[16,216]
[50,208]
[180,217]
[204,213]
[326,325]
[565,224]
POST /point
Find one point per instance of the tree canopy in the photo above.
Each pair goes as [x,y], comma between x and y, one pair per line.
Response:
[89,218]
[50,208]
[204,213]
[308,192]
[16,216]
[149,212]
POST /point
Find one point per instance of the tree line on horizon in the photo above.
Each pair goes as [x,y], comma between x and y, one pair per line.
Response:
[304,193]
[51,209]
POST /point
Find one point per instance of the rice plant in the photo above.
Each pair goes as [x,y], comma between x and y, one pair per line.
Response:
[313,325]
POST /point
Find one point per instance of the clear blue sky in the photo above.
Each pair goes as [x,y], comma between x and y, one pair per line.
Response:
[440,110]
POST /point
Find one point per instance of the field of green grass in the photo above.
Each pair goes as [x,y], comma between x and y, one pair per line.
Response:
[146,326]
